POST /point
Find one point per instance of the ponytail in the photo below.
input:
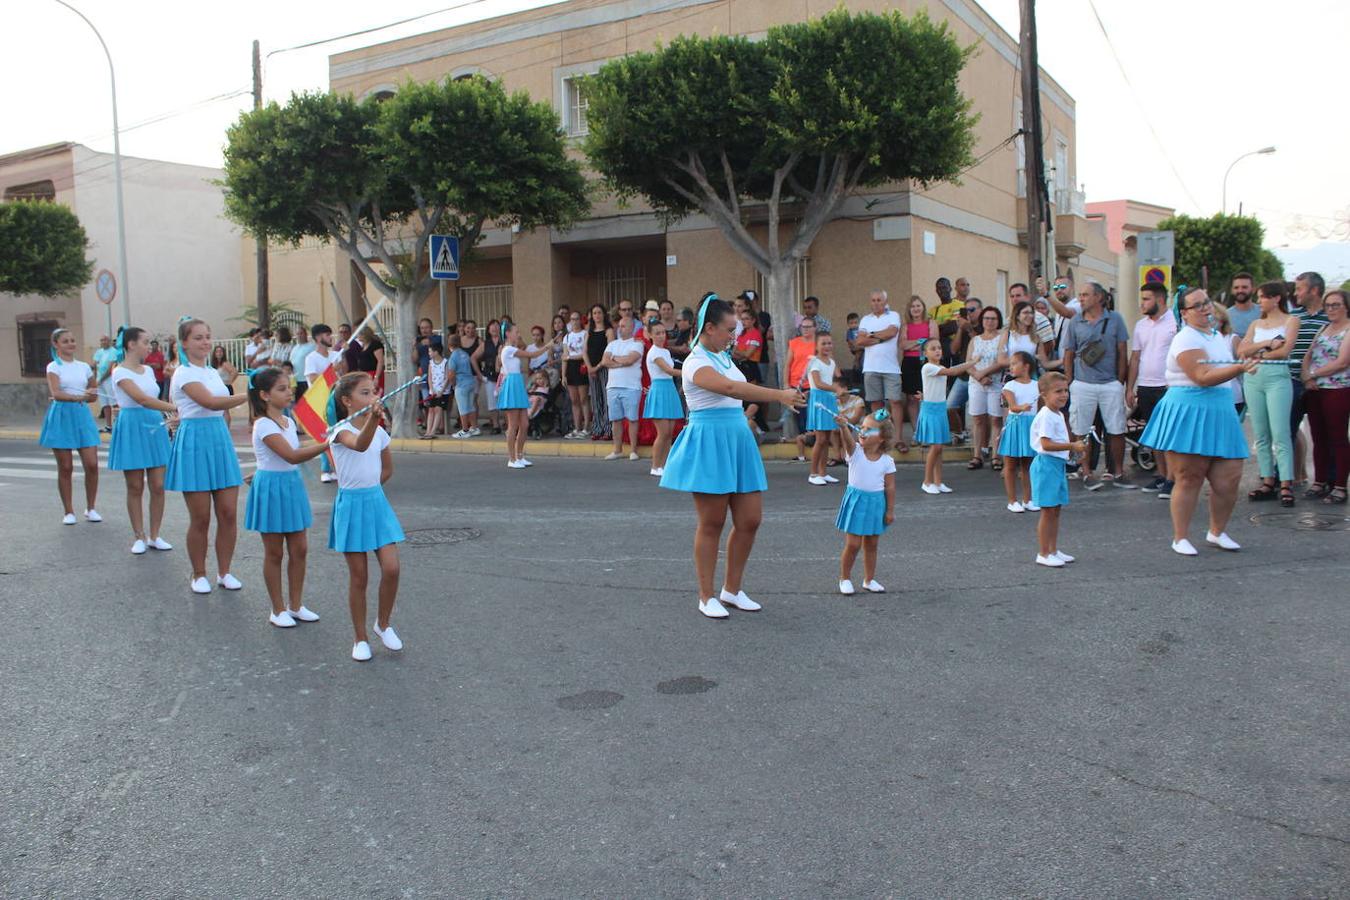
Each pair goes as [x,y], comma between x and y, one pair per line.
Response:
[260,381]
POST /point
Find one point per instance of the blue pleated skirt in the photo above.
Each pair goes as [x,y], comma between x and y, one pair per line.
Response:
[1016,440]
[512,393]
[818,419]
[140,440]
[861,512]
[1198,420]
[1049,481]
[663,401]
[202,457]
[277,503]
[932,427]
[68,425]
[362,521]
[716,453]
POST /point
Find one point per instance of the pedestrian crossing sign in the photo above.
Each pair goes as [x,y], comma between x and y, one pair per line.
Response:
[444,257]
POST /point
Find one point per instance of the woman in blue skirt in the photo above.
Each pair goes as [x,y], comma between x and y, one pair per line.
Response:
[362,520]
[512,398]
[69,426]
[1196,424]
[1019,395]
[662,406]
[202,462]
[140,440]
[278,505]
[716,458]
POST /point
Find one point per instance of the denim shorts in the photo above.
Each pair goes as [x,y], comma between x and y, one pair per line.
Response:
[466,395]
[623,403]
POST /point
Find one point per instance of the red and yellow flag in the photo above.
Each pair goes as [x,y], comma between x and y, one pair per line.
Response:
[311,411]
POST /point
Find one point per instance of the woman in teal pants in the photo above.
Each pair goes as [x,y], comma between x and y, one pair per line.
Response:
[1270,392]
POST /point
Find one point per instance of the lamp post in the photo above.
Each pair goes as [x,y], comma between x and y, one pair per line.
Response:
[1263,150]
[117,169]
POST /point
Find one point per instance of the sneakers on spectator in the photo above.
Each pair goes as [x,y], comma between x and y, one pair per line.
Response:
[1092,484]
[1154,486]
[475,431]
[1165,492]
[1120,482]
[461,434]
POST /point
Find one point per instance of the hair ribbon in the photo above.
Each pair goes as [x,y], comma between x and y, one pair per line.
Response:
[182,354]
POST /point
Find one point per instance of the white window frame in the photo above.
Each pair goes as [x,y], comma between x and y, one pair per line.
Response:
[567,99]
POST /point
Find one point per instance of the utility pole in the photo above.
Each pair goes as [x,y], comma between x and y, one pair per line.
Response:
[1037,264]
[264,313]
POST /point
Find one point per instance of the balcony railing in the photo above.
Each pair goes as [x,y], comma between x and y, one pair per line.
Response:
[1069,202]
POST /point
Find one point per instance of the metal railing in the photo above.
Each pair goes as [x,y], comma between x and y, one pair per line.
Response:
[1069,202]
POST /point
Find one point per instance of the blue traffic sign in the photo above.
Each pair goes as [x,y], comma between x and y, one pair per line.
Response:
[444,257]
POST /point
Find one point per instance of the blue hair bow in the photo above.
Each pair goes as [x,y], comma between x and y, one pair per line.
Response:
[182,354]
[880,416]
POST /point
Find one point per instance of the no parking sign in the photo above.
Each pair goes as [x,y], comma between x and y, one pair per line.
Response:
[1156,274]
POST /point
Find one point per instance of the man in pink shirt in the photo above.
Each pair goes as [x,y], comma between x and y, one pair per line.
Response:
[1147,380]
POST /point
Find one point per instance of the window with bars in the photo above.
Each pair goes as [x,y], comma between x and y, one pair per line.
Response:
[799,284]
[34,190]
[622,282]
[577,105]
[35,341]
[485,302]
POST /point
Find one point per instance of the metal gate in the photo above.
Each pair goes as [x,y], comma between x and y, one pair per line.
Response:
[485,302]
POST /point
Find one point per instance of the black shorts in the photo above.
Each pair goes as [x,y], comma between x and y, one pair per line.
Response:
[911,375]
[573,375]
[1145,399]
[441,402]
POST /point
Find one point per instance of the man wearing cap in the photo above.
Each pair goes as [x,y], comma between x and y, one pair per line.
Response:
[877,335]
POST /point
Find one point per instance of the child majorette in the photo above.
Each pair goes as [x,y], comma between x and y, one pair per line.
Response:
[511,397]
[1020,395]
[662,406]
[933,429]
[363,521]
[278,505]
[69,425]
[202,461]
[822,407]
[868,507]
[139,448]
[1049,481]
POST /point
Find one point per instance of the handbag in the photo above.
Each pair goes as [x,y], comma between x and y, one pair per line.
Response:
[1092,353]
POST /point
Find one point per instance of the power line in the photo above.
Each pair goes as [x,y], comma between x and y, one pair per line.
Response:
[352,34]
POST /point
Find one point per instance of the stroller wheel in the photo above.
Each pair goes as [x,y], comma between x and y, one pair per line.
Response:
[1143,458]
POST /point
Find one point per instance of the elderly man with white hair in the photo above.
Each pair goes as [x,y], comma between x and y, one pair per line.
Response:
[878,333]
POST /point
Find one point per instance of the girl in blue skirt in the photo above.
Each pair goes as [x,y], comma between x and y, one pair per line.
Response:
[868,507]
[933,429]
[1049,481]
[512,398]
[822,407]
[278,506]
[1019,395]
[140,440]
[662,406]
[363,521]
[716,458]
[69,426]
[202,462]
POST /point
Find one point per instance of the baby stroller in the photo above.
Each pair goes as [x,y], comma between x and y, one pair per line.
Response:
[548,421]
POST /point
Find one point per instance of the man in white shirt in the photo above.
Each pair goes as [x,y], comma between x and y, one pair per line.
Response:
[253,348]
[877,335]
[319,360]
[623,393]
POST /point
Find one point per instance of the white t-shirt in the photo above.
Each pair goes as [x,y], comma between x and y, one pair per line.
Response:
[438,375]
[145,381]
[1215,345]
[316,364]
[869,474]
[203,375]
[1049,424]
[699,398]
[826,370]
[934,385]
[653,371]
[575,342]
[251,350]
[1027,393]
[539,361]
[267,460]
[510,365]
[629,376]
[359,470]
[74,375]
[881,357]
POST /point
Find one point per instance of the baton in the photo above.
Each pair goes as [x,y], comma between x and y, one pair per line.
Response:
[1243,362]
[360,412]
[825,409]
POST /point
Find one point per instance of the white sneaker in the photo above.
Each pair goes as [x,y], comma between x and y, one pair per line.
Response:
[138,547]
[461,434]
[327,478]
[388,637]
[830,479]
[360,651]
[201,585]
[799,459]
[712,609]
[658,472]
[68,519]
[874,587]
[943,489]
[818,480]
[1031,507]
[1016,507]
[475,431]
[740,601]
[930,489]
[304,614]
[159,544]
[229,582]
[846,587]
[1064,557]
[1184,547]
[515,464]
[91,515]
[1053,562]
[1223,541]
[282,619]
[524,462]
[609,457]
[634,456]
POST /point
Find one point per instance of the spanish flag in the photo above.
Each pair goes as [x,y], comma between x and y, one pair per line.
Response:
[312,409]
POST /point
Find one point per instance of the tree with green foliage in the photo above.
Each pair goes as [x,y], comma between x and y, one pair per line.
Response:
[1227,244]
[42,247]
[780,132]
[379,176]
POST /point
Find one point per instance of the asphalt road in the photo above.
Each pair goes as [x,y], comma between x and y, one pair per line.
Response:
[563,723]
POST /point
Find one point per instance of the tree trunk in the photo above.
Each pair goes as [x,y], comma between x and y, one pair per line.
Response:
[778,301]
[403,412]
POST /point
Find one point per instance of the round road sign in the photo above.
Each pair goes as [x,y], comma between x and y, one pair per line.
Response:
[1155,275]
[105,285]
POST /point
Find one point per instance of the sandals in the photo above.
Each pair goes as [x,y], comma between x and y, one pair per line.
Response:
[1335,496]
[997,465]
[1316,491]
[975,464]
[902,447]
[1264,492]
[1286,496]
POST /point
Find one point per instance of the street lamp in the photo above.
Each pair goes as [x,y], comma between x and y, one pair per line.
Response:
[117,169]
[1263,150]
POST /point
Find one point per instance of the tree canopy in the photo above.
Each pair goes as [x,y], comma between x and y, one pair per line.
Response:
[1227,244]
[43,249]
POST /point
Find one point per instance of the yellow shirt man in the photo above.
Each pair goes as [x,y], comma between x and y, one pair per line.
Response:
[945,312]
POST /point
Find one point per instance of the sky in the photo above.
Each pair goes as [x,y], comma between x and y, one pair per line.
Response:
[1197,91]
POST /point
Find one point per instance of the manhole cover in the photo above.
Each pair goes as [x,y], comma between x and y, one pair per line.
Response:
[429,537]
[1303,521]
